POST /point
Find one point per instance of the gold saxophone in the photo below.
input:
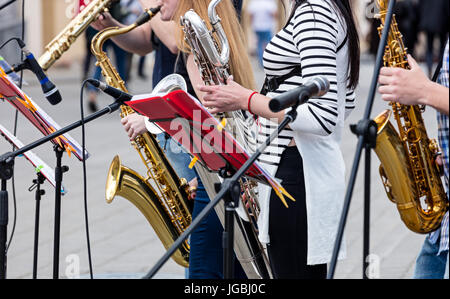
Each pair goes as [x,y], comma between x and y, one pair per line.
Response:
[408,168]
[64,40]
[213,66]
[168,210]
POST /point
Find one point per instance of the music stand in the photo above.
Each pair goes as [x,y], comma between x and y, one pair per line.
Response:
[212,146]
[43,173]
[11,93]
[7,167]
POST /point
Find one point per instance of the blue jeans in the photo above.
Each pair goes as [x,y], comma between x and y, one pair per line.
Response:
[206,254]
[446,269]
[263,38]
[177,157]
[430,265]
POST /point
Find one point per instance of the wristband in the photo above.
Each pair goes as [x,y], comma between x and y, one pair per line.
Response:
[249,102]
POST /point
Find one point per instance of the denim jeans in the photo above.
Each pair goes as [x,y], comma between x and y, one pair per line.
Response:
[177,157]
[263,38]
[430,265]
[206,255]
[446,269]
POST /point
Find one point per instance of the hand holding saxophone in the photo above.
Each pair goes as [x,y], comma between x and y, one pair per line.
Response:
[134,125]
[411,87]
[104,20]
[225,98]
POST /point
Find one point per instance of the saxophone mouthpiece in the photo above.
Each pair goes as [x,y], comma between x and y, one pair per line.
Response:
[155,10]
[147,16]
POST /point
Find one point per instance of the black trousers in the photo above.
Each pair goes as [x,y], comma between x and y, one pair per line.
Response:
[288,248]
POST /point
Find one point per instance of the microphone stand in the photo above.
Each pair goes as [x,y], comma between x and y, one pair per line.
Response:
[38,194]
[6,173]
[366,130]
[229,192]
[59,170]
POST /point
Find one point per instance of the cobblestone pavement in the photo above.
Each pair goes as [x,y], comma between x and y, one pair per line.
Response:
[123,244]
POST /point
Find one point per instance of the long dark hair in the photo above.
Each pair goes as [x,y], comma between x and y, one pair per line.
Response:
[352,37]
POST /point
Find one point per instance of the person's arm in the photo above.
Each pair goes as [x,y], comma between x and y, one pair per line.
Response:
[138,41]
[412,87]
[232,97]
[194,76]
[318,56]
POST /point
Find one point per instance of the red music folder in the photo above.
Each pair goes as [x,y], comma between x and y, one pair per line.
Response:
[189,123]
[11,93]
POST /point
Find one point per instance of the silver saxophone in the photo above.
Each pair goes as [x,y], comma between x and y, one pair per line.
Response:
[212,61]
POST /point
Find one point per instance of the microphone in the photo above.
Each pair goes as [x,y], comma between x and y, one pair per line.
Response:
[316,87]
[50,91]
[109,90]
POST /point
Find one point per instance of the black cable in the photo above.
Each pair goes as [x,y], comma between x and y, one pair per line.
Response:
[83,142]
[18,40]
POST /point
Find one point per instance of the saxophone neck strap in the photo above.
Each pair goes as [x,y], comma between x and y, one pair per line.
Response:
[437,72]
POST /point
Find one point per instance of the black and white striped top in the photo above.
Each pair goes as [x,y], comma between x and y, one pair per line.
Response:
[311,40]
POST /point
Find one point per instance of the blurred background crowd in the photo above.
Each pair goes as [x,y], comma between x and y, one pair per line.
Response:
[424,24]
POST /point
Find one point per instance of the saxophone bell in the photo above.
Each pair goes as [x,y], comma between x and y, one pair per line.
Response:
[127,183]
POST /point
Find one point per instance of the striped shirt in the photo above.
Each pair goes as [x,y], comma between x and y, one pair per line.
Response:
[309,40]
[443,134]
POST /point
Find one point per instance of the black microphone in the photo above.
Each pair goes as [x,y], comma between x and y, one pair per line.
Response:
[50,91]
[316,87]
[109,90]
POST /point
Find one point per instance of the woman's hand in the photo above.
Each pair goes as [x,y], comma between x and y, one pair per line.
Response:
[193,185]
[225,98]
[104,20]
[134,125]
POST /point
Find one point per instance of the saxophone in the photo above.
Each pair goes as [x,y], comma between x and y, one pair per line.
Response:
[408,158]
[169,210]
[214,69]
[64,40]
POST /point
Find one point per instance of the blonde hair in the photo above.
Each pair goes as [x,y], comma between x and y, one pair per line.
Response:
[240,66]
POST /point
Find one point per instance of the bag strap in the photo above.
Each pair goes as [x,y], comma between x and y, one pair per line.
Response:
[272,84]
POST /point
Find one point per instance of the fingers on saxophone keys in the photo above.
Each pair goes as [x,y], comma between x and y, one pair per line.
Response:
[131,134]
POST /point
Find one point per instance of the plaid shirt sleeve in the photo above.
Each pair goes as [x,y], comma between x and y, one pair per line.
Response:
[443,134]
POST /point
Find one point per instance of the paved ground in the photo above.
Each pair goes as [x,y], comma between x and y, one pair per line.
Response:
[123,244]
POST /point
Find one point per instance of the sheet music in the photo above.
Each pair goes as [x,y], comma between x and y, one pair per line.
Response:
[38,163]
